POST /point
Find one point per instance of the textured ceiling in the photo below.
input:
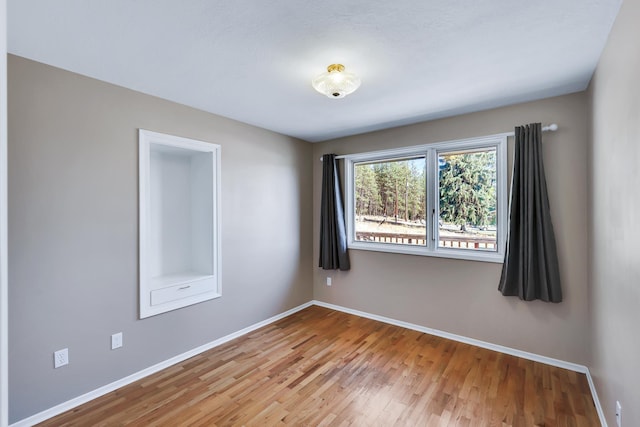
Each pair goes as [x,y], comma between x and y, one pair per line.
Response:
[253,60]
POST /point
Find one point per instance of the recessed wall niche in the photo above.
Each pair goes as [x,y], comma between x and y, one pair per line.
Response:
[179,222]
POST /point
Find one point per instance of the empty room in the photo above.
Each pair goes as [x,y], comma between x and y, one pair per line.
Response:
[335,213]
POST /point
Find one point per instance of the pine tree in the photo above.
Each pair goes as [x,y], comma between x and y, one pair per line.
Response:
[468,188]
[367,197]
[392,188]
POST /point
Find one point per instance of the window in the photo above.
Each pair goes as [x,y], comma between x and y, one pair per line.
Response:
[445,199]
[390,201]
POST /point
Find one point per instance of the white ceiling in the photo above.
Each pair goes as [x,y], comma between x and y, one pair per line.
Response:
[253,60]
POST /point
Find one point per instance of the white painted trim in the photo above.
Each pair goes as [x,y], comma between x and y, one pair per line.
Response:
[4,280]
[177,290]
[596,400]
[70,404]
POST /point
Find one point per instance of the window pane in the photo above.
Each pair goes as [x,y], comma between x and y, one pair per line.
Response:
[468,203]
[390,201]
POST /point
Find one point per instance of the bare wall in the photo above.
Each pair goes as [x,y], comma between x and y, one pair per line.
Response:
[73,240]
[614,224]
[462,297]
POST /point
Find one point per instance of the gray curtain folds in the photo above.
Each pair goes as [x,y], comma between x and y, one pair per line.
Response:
[530,270]
[333,235]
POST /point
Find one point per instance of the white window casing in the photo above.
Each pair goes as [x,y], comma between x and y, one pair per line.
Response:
[430,152]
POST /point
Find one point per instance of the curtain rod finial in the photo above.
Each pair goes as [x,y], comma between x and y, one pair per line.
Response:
[553,127]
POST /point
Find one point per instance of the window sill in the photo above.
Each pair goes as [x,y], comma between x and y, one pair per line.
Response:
[461,254]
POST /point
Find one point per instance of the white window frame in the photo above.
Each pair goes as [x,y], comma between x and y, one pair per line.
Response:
[430,151]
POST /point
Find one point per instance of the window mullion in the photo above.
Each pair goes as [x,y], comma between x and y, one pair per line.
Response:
[350,200]
[431,198]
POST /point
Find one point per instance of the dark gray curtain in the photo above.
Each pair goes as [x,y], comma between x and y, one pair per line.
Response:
[333,235]
[530,268]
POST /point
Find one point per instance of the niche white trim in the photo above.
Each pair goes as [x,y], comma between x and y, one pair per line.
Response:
[179,222]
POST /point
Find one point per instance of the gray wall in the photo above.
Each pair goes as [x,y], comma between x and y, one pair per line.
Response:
[614,223]
[73,245]
[459,296]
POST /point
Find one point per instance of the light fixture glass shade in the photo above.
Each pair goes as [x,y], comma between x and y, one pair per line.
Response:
[336,83]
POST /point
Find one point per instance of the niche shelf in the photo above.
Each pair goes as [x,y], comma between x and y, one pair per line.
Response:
[179,222]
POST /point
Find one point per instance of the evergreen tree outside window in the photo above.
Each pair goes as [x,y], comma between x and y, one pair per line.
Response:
[467,203]
[391,201]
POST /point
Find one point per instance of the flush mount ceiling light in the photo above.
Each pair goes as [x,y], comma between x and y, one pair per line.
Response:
[336,83]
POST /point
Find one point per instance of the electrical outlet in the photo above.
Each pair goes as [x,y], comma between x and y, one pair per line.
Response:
[618,414]
[61,358]
[116,340]
[328,281]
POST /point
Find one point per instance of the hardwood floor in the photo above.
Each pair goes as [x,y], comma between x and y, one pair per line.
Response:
[320,367]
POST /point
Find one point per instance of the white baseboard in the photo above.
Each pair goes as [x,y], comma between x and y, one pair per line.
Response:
[70,404]
[499,348]
[596,401]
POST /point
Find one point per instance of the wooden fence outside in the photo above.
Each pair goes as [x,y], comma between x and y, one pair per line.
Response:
[464,242]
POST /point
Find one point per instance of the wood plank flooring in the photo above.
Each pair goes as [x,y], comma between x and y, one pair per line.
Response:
[320,367]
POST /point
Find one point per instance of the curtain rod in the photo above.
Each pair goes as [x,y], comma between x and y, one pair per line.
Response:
[551,128]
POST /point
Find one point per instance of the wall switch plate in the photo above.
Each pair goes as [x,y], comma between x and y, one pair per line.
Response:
[328,281]
[61,358]
[618,414]
[116,340]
